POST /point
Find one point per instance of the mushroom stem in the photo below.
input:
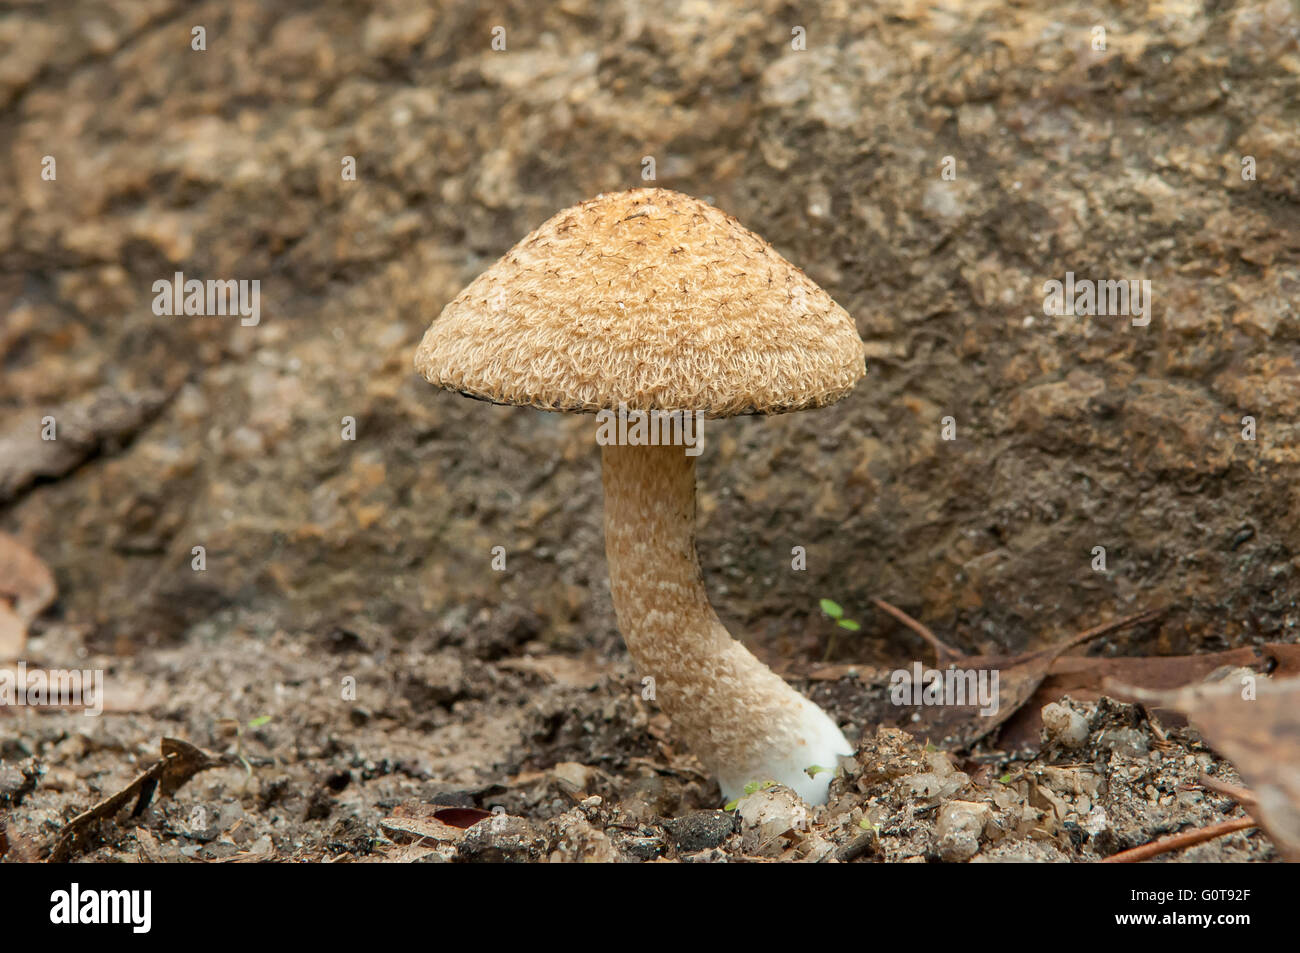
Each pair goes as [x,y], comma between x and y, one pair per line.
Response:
[737,715]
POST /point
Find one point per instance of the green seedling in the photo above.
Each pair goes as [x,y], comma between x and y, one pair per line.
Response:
[835,611]
[753,787]
[256,723]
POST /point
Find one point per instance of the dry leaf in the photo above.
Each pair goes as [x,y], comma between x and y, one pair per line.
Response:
[180,761]
[1258,732]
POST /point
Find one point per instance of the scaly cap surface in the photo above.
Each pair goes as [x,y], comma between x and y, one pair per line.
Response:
[648,298]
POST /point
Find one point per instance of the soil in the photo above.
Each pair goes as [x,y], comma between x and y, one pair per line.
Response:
[347,749]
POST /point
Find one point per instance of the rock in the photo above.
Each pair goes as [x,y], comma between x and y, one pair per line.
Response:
[1064,726]
[80,430]
[940,763]
[930,786]
[575,840]
[885,755]
[700,830]
[573,777]
[510,840]
[958,847]
[1096,821]
[643,848]
[969,816]
[959,828]
[207,822]
[262,847]
[1124,742]
[767,815]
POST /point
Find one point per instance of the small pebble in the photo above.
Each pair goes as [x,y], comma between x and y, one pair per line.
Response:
[1064,726]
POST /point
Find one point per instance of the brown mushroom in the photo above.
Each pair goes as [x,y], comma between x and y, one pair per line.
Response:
[650,300]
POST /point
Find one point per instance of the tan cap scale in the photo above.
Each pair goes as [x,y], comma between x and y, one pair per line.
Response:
[651,300]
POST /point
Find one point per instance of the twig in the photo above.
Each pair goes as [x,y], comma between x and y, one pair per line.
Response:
[941,649]
[944,652]
[1088,635]
[1178,841]
[1241,795]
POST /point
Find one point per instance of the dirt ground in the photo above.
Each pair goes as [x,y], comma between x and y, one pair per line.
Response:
[564,758]
[348,654]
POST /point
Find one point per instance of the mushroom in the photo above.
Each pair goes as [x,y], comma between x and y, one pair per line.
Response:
[650,300]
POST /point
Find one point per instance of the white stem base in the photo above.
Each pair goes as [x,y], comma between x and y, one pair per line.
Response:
[819,743]
[736,715]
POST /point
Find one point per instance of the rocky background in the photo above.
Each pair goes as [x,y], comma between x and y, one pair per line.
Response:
[1071,432]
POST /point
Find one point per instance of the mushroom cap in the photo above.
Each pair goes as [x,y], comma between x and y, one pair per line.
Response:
[648,299]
